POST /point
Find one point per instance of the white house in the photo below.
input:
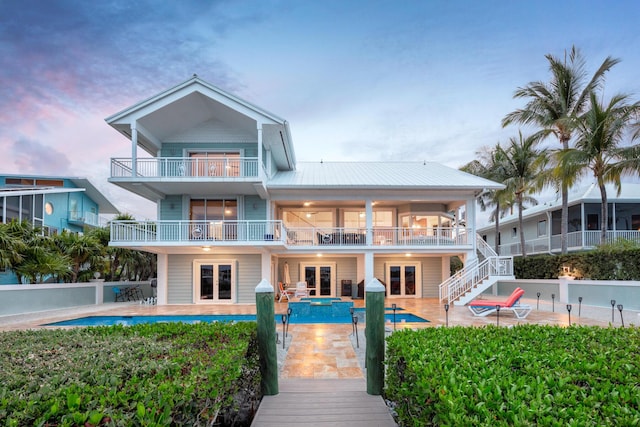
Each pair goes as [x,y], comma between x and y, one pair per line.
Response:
[235,206]
[541,223]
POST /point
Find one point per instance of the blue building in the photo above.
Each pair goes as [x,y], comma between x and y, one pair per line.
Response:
[52,204]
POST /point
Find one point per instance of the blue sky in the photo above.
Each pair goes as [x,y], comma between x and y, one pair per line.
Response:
[357,80]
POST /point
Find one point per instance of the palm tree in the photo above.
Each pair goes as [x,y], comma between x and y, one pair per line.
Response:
[555,106]
[600,132]
[524,164]
[491,166]
[81,249]
[11,247]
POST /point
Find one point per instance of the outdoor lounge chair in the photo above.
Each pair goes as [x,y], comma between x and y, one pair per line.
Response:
[285,293]
[301,290]
[482,308]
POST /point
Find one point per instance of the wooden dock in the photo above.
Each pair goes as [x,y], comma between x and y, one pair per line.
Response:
[323,402]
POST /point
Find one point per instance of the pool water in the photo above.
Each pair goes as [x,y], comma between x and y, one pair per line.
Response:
[134,320]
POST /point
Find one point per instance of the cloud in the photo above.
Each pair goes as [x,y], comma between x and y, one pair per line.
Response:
[33,157]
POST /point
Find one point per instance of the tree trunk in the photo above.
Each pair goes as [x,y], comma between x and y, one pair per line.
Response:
[523,249]
[604,213]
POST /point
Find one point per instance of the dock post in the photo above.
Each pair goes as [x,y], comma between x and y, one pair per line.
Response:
[267,337]
[374,299]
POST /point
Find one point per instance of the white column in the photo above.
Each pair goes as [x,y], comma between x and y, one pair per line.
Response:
[471,226]
[260,168]
[163,280]
[368,267]
[134,149]
[360,274]
[265,266]
[369,221]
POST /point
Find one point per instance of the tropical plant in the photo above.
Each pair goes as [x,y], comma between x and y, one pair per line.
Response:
[11,246]
[81,249]
[523,166]
[491,166]
[600,133]
[555,107]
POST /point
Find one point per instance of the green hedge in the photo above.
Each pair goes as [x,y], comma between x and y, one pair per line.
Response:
[143,375]
[528,375]
[605,264]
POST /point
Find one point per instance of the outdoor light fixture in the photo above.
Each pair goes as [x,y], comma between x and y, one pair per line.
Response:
[289,311]
[538,305]
[613,303]
[354,319]
[206,248]
[579,306]
[621,319]
[569,311]
[393,306]
[498,314]
[353,328]
[446,314]
[284,322]
[553,303]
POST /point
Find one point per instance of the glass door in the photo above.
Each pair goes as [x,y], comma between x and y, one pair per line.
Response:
[403,280]
[213,282]
[320,279]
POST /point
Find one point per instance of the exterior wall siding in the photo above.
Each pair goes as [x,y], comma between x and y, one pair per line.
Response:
[180,278]
[171,208]
[255,208]
[213,130]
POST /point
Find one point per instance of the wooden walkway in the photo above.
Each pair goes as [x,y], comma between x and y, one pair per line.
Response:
[323,402]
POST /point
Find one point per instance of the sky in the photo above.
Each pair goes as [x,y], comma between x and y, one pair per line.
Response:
[357,80]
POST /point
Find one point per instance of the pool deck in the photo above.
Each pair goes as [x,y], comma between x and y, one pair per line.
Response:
[321,372]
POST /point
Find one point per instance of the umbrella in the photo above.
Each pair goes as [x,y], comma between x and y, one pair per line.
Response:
[285,273]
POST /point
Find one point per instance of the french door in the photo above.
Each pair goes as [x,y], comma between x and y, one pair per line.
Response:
[213,281]
[320,278]
[403,279]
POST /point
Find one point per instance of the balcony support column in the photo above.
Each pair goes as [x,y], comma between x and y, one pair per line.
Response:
[368,204]
[163,280]
[260,164]
[134,149]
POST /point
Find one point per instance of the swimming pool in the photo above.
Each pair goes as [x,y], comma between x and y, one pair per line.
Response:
[134,320]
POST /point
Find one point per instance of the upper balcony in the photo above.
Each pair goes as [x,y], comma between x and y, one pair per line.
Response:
[156,177]
[274,233]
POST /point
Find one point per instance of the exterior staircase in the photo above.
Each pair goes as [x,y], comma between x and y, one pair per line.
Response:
[477,276]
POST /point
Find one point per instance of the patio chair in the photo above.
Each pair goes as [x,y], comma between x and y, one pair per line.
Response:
[482,308]
[301,290]
[120,295]
[285,293]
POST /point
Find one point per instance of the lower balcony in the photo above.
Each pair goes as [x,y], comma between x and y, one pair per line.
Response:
[576,241]
[274,232]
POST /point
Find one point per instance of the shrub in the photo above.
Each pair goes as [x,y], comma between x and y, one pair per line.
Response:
[151,374]
[526,375]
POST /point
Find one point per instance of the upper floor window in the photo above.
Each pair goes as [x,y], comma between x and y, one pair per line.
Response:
[308,218]
[358,219]
[542,228]
[514,232]
[213,210]
[215,163]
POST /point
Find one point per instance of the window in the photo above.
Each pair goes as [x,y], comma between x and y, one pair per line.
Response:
[208,216]
[514,232]
[48,208]
[542,228]
[357,219]
[635,222]
[215,164]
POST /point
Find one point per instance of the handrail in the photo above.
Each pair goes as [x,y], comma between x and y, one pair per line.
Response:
[484,248]
[473,274]
[193,167]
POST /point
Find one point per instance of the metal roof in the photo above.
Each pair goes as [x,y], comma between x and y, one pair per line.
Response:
[427,175]
[589,194]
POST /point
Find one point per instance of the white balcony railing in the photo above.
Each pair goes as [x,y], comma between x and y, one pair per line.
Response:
[195,231]
[576,240]
[268,231]
[194,167]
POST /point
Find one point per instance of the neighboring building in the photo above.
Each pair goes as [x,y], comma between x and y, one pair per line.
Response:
[235,207]
[542,223]
[52,204]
